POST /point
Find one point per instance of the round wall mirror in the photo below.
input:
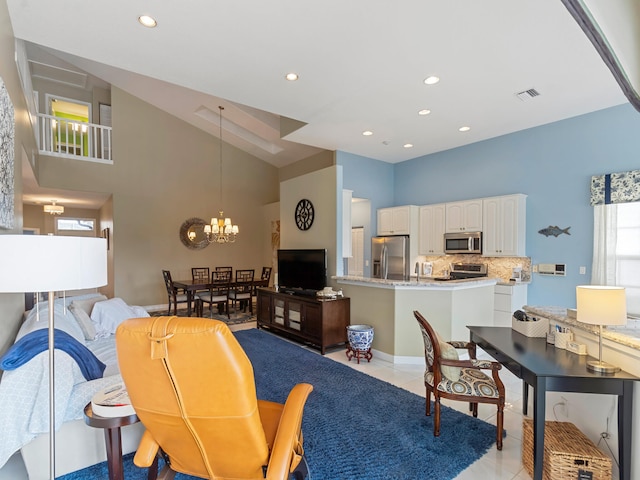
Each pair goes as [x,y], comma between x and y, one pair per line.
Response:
[192,234]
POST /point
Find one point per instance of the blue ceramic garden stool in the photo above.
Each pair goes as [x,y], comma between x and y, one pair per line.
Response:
[360,338]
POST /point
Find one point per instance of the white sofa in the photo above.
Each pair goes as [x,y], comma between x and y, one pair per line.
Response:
[24,394]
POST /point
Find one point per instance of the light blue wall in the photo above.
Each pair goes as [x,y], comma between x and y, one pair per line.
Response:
[371,179]
[552,164]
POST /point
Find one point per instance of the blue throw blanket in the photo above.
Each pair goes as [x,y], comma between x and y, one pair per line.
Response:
[38,341]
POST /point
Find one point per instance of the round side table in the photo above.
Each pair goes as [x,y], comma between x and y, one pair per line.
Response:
[113,440]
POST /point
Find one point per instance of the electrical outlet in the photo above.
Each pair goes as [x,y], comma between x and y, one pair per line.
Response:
[583,270]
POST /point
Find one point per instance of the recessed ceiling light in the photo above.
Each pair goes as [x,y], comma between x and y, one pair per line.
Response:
[408,145]
[464,129]
[147,21]
[292,77]
[424,111]
[367,133]
[431,80]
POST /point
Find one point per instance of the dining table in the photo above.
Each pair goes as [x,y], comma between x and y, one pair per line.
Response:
[191,286]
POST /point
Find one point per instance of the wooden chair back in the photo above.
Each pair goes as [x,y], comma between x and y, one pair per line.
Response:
[200,274]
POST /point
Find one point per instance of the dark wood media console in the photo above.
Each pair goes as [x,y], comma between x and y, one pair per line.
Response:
[319,322]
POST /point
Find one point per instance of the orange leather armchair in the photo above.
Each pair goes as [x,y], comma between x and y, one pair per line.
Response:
[192,387]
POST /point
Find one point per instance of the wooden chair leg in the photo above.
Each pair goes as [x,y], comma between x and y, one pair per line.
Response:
[436,417]
[499,427]
[475,410]
[428,405]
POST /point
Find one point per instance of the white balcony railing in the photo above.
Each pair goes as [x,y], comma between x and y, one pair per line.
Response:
[63,137]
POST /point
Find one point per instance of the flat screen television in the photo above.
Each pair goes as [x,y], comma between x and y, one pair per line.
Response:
[302,271]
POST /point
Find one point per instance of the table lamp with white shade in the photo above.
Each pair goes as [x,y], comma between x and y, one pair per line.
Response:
[601,305]
[44,263]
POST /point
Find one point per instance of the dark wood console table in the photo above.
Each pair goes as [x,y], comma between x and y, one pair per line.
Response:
[319,322]
[547,368]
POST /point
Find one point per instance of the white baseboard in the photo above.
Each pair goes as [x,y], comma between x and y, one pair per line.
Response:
[398,359]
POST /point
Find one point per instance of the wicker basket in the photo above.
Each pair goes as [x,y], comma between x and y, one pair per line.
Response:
[539,328]
[566,451]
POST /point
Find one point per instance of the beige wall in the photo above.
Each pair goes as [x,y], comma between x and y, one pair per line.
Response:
[164,172]
[106,222]
[308,165]
[12,305]
[35,217]
[321,188]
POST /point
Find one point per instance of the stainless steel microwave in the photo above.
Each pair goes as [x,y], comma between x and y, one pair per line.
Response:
[463,242]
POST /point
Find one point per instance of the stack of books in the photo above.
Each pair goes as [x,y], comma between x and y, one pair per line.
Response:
[112,402]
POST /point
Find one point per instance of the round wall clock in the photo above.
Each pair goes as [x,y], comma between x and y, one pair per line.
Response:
[304,214]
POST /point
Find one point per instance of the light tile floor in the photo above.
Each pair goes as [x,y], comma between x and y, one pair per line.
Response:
[494,465]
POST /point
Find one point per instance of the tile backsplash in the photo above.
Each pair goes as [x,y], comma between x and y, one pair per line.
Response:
[500,267]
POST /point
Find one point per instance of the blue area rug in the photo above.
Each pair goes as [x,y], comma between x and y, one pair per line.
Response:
[355,426]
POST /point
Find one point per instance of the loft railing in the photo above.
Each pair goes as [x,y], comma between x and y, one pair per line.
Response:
[62,137]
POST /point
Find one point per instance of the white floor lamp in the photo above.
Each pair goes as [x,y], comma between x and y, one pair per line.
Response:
[43,263]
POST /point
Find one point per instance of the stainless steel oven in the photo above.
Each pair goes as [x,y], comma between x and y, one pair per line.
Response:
[463,242]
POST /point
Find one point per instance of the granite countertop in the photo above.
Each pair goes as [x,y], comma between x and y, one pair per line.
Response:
[628,334]
[424,282]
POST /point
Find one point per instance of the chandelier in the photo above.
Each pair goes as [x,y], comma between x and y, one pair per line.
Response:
[221,230]
[53,209]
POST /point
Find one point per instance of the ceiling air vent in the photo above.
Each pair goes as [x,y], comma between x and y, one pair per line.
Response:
[527,94]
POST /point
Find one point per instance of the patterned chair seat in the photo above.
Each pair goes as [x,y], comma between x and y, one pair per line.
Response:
[472,382]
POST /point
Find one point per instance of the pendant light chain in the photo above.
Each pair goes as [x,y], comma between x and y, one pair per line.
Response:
[221,108]
[221,230]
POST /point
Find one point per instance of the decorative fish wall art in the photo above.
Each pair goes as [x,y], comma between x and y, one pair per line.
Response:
[554,230]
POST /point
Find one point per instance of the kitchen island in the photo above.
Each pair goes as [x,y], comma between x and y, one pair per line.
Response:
[388,305]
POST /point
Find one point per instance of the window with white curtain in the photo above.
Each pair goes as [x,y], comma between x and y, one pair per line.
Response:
[616,250]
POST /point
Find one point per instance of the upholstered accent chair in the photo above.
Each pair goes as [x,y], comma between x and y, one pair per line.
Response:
[448,377]
[193,389]
[174,296]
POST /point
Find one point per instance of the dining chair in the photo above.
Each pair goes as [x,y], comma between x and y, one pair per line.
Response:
[173,294]
[222,269]
[265,277]
[242,290]
[218,293]
[448,377]
[200,274]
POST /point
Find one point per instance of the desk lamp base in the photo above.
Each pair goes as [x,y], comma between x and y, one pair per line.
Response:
[602,368]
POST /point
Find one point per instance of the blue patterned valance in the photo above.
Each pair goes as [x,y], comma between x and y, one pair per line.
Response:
[621,187]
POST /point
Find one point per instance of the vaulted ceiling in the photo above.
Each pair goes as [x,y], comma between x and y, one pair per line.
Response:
[503,66]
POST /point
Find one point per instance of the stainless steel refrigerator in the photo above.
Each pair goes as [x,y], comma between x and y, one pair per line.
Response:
[390,257]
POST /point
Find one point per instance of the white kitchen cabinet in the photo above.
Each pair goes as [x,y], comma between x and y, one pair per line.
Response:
[504,226]
[464,216]
[398,220]
[506,300]
[432,224]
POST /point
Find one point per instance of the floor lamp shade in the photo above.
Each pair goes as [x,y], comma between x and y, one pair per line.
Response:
[43,263]
[601,305]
